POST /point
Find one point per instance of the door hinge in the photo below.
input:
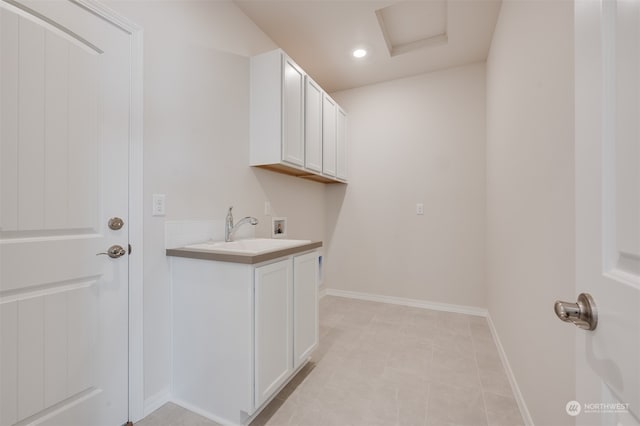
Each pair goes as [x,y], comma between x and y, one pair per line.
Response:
[129,248]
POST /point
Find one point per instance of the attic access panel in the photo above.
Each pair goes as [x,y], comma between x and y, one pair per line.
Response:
[412,25]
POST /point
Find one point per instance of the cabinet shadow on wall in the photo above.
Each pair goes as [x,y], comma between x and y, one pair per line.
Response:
[312,208]
[334,199]
[299,200]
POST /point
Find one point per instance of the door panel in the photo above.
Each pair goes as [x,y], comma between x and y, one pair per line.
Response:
[64,147]
[8,363]
[273,328]
[9,80]
[51,154]
[625,255]
[30,348]
[313,126]
[293,113]
[341,144]
[607,208]
[329,136]
[305,307]
[30,155]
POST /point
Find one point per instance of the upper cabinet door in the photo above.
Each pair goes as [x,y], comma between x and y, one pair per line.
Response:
[313,126]
[292,113]
[341,144]
[329,108]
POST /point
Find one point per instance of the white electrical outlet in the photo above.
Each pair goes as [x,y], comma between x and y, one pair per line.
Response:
[267,208]
[158,208]
[420,209]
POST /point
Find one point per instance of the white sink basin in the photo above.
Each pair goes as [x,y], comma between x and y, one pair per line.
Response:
[251,246]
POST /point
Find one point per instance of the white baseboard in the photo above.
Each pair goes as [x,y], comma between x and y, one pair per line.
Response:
[322,293]
[156,401]
[524,411]
[416,303]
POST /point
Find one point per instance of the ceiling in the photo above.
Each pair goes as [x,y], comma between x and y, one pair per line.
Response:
[403,38]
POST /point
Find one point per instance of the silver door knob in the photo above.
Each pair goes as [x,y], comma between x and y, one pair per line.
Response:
[114,252]
[115,223]
[582,314]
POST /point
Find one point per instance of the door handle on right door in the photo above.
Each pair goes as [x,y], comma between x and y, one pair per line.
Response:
[583,314]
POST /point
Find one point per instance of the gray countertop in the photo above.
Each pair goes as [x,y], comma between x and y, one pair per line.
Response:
[226,256]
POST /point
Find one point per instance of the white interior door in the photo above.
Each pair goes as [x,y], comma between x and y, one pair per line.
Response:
[65,91]
[607,70]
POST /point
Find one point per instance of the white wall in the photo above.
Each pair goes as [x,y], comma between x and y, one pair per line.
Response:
[413,140]
[196,145]
[530,199]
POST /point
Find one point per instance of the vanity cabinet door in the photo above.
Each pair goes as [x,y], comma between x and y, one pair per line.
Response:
[305,307]
[273,288]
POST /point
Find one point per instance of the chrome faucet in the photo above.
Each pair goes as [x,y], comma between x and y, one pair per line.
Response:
[229,227]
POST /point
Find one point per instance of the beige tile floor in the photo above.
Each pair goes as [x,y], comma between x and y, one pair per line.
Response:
[380,364]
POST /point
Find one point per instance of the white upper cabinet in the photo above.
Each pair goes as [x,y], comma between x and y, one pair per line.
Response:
[329,109]
[341,145]
[313,126]
[292,113]
[277,110]
[293,121]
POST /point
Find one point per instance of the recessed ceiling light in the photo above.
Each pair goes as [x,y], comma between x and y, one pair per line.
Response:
[359,53]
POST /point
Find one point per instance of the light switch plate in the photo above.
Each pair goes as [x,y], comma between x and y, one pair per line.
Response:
[158,208]
[419,209]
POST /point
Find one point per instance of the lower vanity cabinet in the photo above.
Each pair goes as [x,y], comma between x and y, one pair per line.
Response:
[273,325]
[305,307]
[286,320]
[240,332]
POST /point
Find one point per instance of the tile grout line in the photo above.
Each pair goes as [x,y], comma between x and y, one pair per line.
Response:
[475,357]
[429,389]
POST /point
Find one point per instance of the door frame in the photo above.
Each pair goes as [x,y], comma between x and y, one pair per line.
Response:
[136,217]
